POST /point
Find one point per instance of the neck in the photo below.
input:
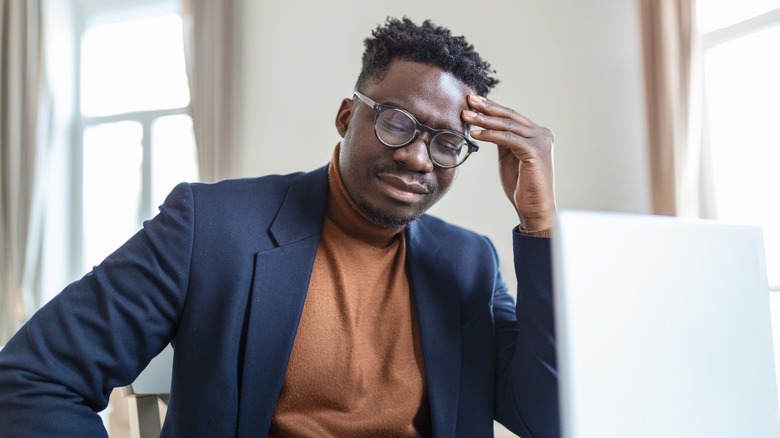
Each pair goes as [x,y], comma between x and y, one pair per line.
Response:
[345,213]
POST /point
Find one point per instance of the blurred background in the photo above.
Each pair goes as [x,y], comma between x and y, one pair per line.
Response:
[658,107]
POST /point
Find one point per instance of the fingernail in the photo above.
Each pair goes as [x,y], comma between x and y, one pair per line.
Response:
[476,131]
[469,114]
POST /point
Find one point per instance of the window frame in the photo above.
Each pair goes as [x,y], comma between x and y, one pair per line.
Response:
[716,37]
[89,13]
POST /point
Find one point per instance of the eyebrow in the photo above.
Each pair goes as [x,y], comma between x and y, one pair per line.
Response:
[465,127]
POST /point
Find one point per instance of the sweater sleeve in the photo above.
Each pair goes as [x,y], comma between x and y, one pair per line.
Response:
[58,370]
[527,378]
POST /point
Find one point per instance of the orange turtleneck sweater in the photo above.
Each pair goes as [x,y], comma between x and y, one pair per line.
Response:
[356,366]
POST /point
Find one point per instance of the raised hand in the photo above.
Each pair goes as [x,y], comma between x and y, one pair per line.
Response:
[525,156]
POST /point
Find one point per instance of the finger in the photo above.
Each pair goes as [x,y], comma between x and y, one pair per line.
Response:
[488,107]
[498,124]
[500,137]
[524,147]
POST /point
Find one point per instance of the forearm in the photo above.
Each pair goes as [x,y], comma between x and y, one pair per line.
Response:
[31,405]
[526,391]
[57,372]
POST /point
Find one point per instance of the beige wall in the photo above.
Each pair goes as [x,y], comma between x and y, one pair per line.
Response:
[570,65]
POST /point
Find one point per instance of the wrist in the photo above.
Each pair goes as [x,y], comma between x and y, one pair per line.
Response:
[539,233]
[530,224]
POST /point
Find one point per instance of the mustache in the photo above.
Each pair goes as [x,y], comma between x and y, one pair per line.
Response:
[399,170]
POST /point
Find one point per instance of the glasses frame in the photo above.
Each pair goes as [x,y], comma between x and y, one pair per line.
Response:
[418,127]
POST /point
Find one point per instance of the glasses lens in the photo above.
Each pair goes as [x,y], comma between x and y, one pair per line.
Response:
[394,127]
[448,149]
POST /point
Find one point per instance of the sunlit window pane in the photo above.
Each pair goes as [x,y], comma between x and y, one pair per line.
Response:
[133,65]
[174,157]
[113,155]
[774,301]
[717,14]
[743,96]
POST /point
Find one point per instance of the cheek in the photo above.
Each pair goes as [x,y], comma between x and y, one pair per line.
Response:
[353,161]
[446,178]
[349,150]
[347,164]
[357,143]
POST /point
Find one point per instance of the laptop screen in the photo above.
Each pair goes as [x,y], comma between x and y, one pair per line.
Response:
[663,328]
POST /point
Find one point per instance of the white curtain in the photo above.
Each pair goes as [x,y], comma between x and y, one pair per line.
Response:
[23,119]
[679,165]
[209,41]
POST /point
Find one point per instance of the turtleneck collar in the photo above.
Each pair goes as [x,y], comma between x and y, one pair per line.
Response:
[345,213]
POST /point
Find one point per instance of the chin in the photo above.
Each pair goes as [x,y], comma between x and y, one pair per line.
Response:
[387,219]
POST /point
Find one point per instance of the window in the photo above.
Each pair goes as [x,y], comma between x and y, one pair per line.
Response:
[742,96]
[135,132]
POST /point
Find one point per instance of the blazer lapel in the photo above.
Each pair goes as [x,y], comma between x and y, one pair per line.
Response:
[281,280]
[432,277]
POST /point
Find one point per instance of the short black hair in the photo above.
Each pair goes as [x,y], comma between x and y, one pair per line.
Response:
[428,44]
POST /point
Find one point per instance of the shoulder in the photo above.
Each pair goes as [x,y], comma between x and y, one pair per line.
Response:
[243,190]
[248,204]
[432,231]
[246,194]
[464,260]
[441,228]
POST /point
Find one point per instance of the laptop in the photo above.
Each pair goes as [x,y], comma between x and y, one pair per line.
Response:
[663,328]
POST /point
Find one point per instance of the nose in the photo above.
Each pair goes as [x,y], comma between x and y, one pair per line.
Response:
[415,156]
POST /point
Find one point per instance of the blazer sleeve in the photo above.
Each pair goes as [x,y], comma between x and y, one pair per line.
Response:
[100,332]
[527,379]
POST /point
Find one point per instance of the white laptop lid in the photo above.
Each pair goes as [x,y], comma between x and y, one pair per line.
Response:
[663,328]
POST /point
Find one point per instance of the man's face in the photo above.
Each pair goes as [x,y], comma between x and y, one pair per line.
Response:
[394,186]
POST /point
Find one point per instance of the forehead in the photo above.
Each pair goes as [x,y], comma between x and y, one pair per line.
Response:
[434,96]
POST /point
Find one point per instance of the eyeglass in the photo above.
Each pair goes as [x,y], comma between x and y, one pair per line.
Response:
[396,128]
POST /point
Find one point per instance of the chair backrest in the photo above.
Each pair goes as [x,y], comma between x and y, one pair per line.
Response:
[147,397]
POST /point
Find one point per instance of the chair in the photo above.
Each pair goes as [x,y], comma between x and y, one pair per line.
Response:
[147,396]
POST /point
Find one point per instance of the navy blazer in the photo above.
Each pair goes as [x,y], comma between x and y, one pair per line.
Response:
[223,271]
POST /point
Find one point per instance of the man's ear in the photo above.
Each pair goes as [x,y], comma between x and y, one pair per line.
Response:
[343,116]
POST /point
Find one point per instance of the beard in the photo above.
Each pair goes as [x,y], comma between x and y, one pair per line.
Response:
[386,219]
[383,215]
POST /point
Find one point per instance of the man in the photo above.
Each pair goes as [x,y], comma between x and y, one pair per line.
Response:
[327,303]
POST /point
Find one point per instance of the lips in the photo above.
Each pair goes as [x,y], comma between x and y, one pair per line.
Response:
[403,188]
